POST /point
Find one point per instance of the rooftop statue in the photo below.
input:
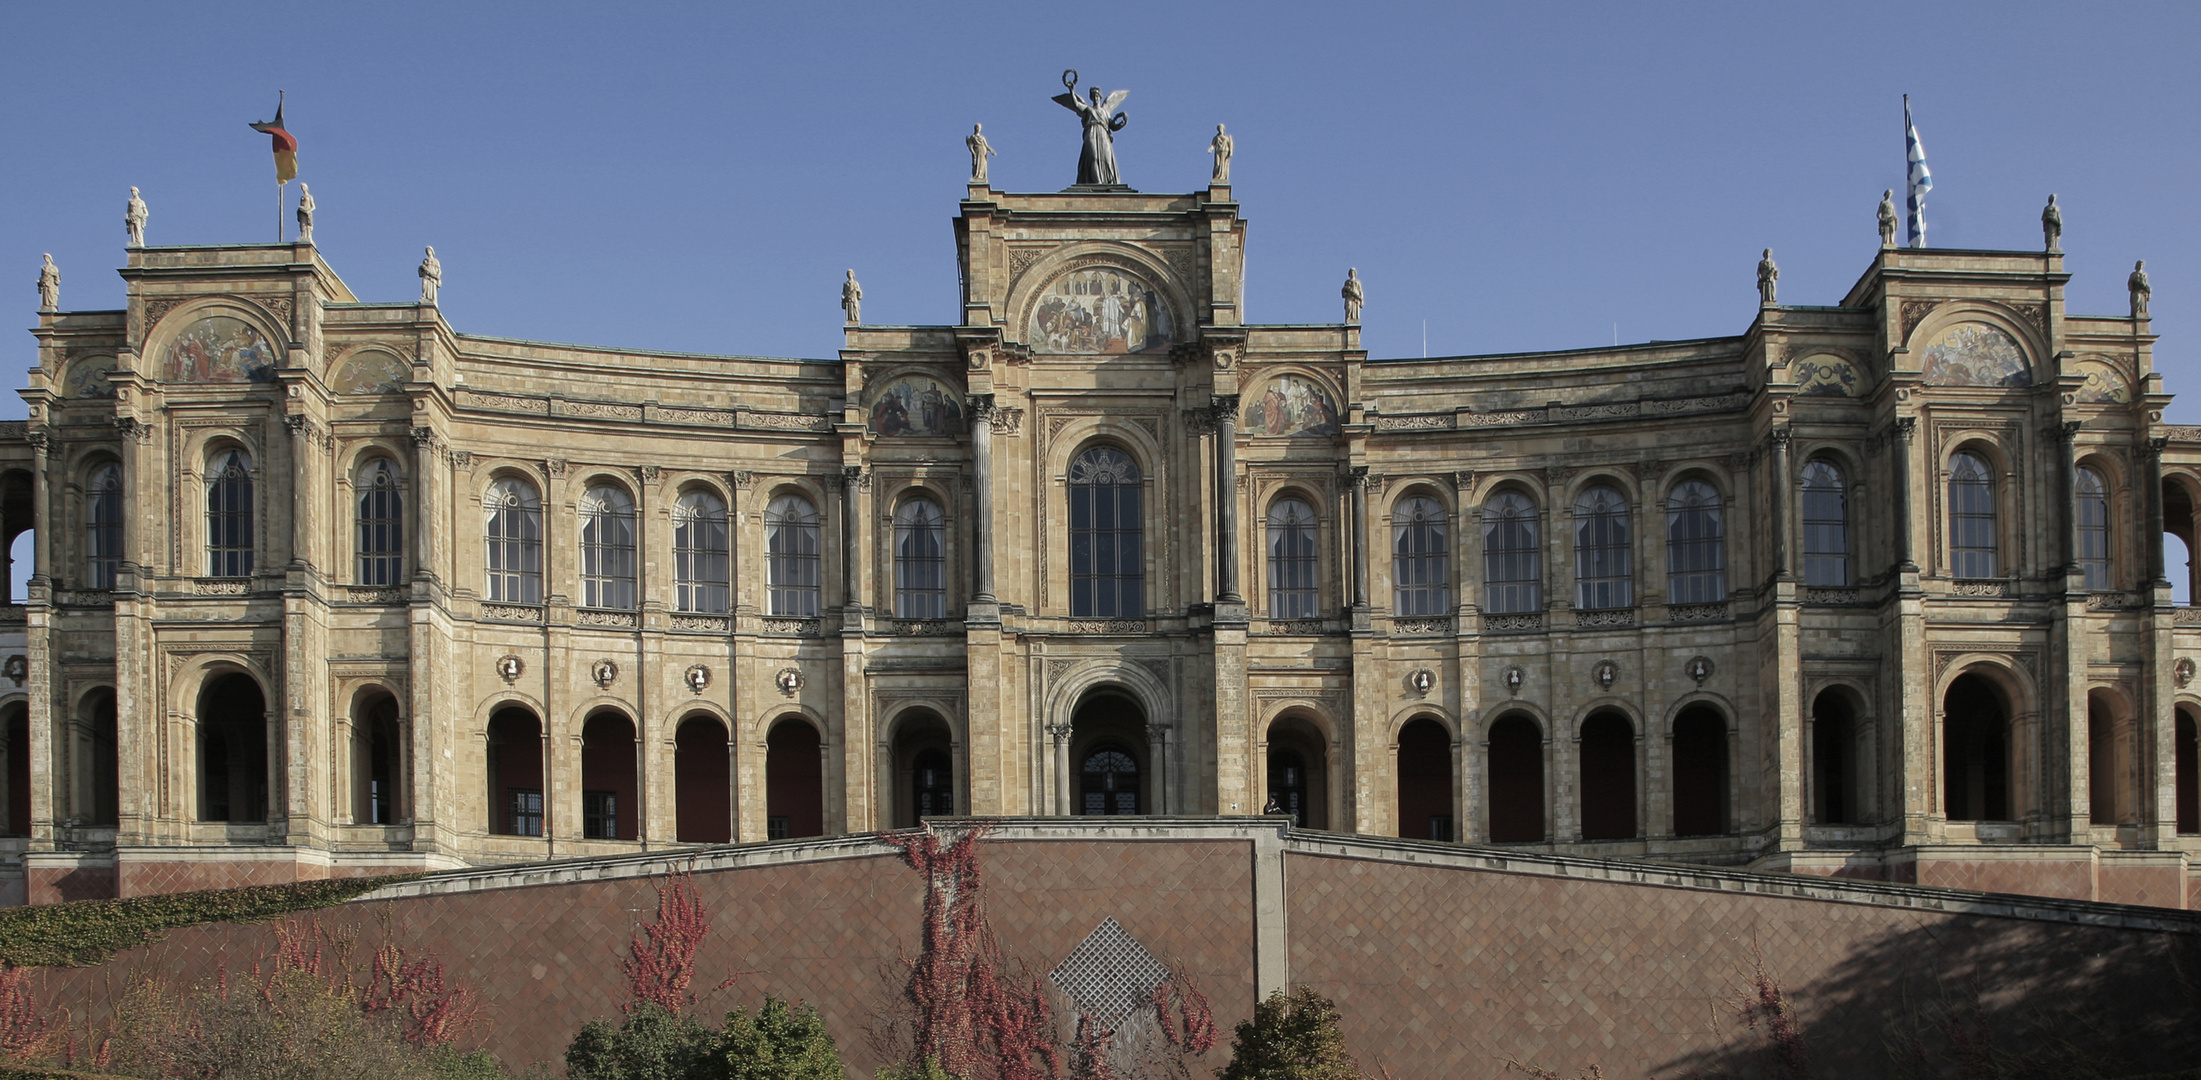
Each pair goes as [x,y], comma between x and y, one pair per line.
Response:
[2052,225]
[133,219]
[852,299]
[49,286]
[1887,218]
[1353,294]
[1221,147]
[1769,278]
[2142,292]
[1097,162]
[305,214]
[431,277]
[980,151]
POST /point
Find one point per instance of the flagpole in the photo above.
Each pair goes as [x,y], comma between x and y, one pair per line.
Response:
[279,186]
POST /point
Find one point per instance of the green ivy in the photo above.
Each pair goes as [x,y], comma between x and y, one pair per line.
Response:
[87,932]
[34,1072]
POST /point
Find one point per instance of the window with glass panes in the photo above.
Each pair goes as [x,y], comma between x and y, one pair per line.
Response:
[607,549]
[1421,565]
[920,561]
[1971,517]
[702,553]
[103,526]
[1513,578]
[381,520]
[1292,590]
[791,555]
[229,516]
[1107,537]
[1696,545]
[1826,525]
[2093,511]
[1604,571]
[512,532]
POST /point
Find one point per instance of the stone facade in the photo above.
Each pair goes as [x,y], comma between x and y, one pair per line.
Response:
[325,586]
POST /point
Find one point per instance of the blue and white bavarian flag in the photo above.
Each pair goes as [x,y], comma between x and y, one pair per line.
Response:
[1921,180]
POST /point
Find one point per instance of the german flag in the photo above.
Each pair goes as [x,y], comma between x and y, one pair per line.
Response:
[286,145]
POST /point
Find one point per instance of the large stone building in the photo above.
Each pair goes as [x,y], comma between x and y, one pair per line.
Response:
[325,586]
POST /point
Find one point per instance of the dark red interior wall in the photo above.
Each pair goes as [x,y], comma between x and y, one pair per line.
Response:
[702,791]
[1608,778]
[607,764]
[1516,782]
[1425,778]
[793,787]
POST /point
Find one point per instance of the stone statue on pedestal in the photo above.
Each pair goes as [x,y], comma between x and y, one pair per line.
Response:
[2141,290]
[1769,279]
[305,214]
[1352,294]
[1221,147]
[852,299]
[980,151]
[133,219]
[1097,161]
[49,286]
[431,277]
[1887,218]
[2052,225]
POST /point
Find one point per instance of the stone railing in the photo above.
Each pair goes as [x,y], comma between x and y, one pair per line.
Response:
[1421,627]
[1605,618]
[1522,623]
[373,594]
[1108,626]
[701,624]
[521,613]
[210,586]
[1296,627]
[1681,613]
[1985,588]
[785,627]
[919,627]
[616,620]
[1833,596]
[2186,616]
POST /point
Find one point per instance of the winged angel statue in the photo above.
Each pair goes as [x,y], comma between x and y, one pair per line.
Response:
[1097,162]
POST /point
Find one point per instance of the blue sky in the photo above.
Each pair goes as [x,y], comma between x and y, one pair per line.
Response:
[696,177]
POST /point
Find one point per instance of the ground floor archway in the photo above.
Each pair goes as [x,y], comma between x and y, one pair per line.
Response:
[1833,758]
[794,780]
[1298,773]
[702,782]
[1516,786]
[2187,765]
[1700,772]
[1975,740]
[608,803]
[922,758]
[1110,760]
[1425,780]
[515,753]
[1608,777]
[15,722]
[377,753]
[233,750]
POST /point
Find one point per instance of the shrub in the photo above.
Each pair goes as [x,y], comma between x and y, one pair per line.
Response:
[1292,1037]
[652,1043]
[87,932]
[779,1043]
[929,1069]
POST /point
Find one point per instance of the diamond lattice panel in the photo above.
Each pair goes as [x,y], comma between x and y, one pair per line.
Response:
[1109,974]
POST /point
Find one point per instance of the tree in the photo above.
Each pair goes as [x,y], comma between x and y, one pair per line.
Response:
[1293,1037]
[779,1043]
[652,1043]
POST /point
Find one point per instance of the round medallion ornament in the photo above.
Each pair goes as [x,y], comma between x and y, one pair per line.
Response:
[604,672]
[789,680]
[509,667]
[1606,672]
[1699,668]
[1421,681]
[1514,678]
[697,677]
[2183,670]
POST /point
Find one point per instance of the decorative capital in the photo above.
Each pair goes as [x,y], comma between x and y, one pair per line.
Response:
[424,437]
[981,407]
[652,473]
[743,480]
[1906,427]
[133,429]
[1357,475]
[2155,447]
[555,467]
[1224,408]
[1059,731]
[1780,438]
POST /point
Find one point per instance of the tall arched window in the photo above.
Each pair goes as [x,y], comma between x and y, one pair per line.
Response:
[2093,528]
[791,549]
[702,553]
[1292,590]
[1513,574]
[512,529]
[103,526]
[229,516]
[920,561]
[607,548]
[1696,545]
[1107,539]
[1971,517]
[381,525]
[1421,567]
[1826,525]
[1604,576]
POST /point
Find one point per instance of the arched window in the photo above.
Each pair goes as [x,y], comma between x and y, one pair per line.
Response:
[920,561]
[1110,783]
[1107,541]
[1696,547]
[1826,525]
[2093,528]
[1513,574]
[103,526]
[607,549]
[702,553]
[1971,517]
[1604,576]
[512,528]
[229,516]
[791,549]
[381,525]
[1421,568]
[1292,591]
